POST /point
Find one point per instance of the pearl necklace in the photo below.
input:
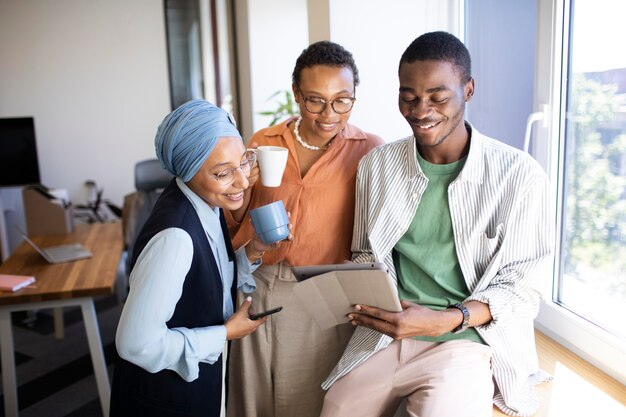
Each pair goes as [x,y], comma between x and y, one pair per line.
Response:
[296,131]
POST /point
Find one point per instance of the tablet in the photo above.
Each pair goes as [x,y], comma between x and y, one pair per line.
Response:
[305,272]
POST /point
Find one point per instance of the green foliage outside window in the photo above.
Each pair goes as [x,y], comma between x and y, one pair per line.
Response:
[595,222]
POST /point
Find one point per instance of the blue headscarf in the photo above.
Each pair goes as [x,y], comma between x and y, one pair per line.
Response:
[187,136]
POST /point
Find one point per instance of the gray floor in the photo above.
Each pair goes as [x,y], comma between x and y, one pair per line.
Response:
[55,377]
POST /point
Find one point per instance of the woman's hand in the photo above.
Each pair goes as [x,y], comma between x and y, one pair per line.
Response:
[239,324]
[256,248]
[254,175]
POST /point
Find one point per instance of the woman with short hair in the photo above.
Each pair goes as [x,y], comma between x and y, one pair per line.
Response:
[277,371]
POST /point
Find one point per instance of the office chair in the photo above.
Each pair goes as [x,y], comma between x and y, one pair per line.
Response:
[150,180]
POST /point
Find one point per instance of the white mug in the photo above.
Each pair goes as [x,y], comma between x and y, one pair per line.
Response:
[272,163]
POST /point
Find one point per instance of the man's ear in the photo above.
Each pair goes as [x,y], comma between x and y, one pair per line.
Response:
[469,89]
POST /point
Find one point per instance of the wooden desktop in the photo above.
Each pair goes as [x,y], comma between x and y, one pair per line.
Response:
[67,284]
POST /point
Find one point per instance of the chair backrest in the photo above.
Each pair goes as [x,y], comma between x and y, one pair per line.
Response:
[150,175]
[150,180]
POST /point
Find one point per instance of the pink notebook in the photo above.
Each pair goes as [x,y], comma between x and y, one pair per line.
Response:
[14,282]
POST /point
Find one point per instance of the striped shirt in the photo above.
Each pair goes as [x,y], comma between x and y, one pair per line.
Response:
[503,235]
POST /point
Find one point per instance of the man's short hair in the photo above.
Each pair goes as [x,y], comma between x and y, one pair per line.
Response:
[324,53]
[440,46]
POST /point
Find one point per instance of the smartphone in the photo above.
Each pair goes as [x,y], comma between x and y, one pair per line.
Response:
[265,313]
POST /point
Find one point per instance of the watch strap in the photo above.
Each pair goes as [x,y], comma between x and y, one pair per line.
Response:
[466,318]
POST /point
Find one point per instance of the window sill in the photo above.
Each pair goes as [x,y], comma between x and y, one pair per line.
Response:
[598,347]
[578,388]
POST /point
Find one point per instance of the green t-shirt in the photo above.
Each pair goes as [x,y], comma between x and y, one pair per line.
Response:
[425,258]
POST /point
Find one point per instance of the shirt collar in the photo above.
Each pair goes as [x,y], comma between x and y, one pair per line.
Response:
[473,169]
[209,216]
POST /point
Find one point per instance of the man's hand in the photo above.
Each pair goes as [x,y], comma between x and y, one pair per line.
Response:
[413,320]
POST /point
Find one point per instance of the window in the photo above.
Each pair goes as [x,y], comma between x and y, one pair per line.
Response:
[200,44]
[184,50]
[592,258]
[582,76]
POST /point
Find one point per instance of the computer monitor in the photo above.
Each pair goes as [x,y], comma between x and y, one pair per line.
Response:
[18,152]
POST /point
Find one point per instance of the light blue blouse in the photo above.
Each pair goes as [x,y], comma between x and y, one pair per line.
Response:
[156,284]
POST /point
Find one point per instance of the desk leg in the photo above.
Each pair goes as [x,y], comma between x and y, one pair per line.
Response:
[59,331]
[9,383]
[97,355]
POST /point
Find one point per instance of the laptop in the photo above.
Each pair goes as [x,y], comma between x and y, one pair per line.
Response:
[61,253]
[305,272]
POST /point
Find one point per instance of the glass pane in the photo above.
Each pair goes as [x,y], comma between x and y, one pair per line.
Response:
[593,251]
[184,50]
[200,46]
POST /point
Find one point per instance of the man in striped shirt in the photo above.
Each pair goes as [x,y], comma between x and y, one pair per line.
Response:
[462,221]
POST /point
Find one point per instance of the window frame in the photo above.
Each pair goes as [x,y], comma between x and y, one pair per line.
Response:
[594,344]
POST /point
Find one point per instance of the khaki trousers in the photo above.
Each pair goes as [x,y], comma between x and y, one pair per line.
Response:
[277,370]
[447,379]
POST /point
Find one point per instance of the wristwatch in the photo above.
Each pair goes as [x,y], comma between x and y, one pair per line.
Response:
[466,318]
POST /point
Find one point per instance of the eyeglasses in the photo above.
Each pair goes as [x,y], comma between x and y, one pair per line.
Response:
[227,176]
[317,105]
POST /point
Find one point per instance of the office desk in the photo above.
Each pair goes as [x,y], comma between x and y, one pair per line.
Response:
[62,285]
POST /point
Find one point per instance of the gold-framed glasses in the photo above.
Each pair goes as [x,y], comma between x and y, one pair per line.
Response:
[227,176]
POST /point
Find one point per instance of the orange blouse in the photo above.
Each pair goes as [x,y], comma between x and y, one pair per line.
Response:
[321,204]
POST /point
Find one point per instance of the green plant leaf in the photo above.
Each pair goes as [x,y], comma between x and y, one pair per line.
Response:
[284,109]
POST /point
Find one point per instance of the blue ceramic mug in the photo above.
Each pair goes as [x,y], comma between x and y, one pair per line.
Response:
[271,222]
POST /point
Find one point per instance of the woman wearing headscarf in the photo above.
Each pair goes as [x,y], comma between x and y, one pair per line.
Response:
[179,312]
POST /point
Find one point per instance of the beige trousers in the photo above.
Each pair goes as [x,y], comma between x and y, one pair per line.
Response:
[277,370]
[447,379]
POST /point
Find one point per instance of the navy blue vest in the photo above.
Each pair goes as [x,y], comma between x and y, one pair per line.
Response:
[136,392]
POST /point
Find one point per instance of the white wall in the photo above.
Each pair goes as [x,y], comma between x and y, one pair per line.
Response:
[94,76]
[271,34]
[501,38]
[377,33]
